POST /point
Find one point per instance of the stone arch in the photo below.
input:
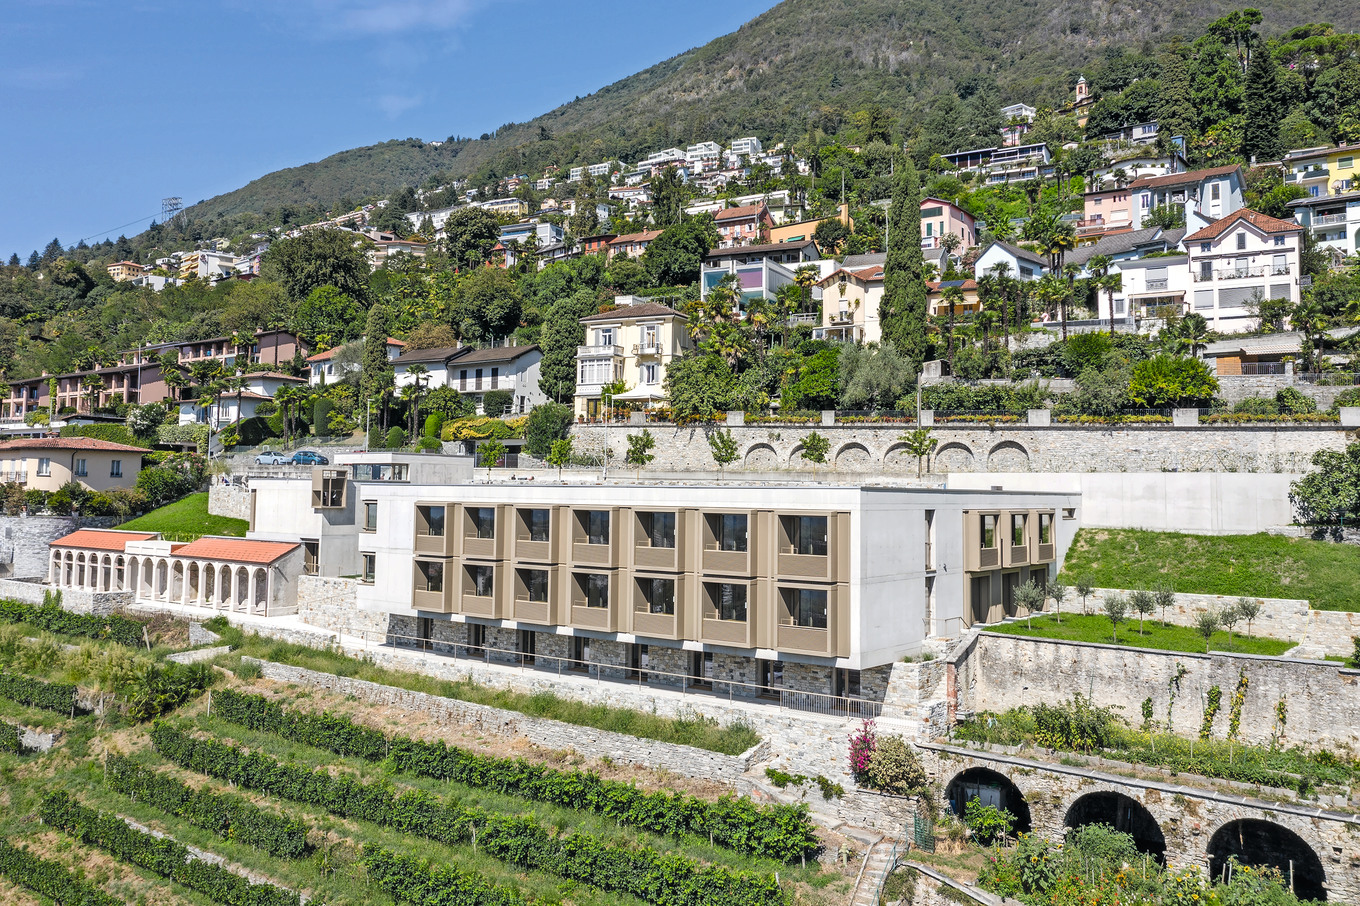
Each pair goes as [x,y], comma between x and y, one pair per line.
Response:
[993,789]
[261,602]
[224,586]
[177,581]
[161,588]
[1124,814]
[194,577]
[106,581]
[954,457]
[80,570]
[144,590]
[1008,456]
[1256,842]
[242,588]
[761,456]
[854,456]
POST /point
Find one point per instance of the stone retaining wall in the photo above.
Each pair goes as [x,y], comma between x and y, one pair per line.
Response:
[197,655]
[24,543]
[32,740]
[1235,388]
[332,604]
[232,500]
[998,672]
[76,600]
[861,449]
[552,734]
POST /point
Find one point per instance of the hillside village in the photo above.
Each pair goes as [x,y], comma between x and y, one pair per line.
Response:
[880,515]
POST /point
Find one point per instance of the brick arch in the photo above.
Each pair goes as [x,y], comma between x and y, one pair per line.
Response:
[1008,456]
[761,456]
[1257,842]
[987,784]
[853,455]
[1123,813]
[955,457]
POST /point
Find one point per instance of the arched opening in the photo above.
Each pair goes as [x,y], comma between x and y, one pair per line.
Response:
[224,586]
[118,574]
[209,586]
[1255,842]
[162,579]
[261,601]
[761,456]
[954,457]
[147,566]
[177,581]
[242,588]
[1008,456]
[80,570]
[193,576]
[853,456]
[1122,813]
[106,577]
[990,788]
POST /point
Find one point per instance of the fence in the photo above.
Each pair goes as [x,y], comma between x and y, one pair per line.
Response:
[640,675]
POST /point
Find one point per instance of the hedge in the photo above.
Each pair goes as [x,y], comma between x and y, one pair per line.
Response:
[9,737]
[51,618]
[666,880]
[411,881]
[58,697]
[781,832]
[117,434]
[161,855]
[51,879]
[230,817]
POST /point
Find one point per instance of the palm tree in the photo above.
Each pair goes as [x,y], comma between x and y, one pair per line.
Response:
[806,278]
[1192,334]
[1051,291]
[1309,318]
[952,297]
[412,393]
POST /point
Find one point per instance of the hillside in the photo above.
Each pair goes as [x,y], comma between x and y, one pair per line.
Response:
[804,64]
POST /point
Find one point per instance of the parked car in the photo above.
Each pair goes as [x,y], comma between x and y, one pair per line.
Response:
[309,458]
[270,458]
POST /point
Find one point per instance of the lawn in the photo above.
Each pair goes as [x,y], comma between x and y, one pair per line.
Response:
[187,519]
[1259,566]
[1097,628]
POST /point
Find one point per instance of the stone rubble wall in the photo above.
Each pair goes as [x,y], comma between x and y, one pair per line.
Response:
[1235,388]
[1006,671]
[332,604]
[878,449]
[198,635]
[24,541]
[76,600]
[231,500]
[551,734]
[32,740]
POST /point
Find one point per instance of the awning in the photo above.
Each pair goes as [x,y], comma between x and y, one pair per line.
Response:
[641,393]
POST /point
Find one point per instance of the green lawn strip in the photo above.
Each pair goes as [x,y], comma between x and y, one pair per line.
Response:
[702,733]
[188,517]
[660,878]
[1260,566]
[14,713]
[1097,628]
[164,856]
[49,878]
[777,831]
[562,818]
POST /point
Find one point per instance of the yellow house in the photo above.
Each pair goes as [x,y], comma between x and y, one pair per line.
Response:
[1325,170]
[122,271]
[47,463]
[632,343]
[511,207]
[850,301]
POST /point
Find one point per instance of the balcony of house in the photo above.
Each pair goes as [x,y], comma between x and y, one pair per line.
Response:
[1018,550]
[656,607]
[647,348]
[14,476]
[1327,220]
[656,540]
[479,532]
[849,333]
[1312,174]
[727,544]
[728,617]
[533,534]
[1044,551]
[807,621]
[478,595]
[983,541]
[432,535]
[432,588]
[592,600]
[1244,273]
[591,538]
[533,595]
[803,317]
[597,366]
[805,547]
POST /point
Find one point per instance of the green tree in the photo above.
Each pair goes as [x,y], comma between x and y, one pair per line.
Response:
[1265,99]
[328,317]
[375,362]
[487,304]
[1165,381]
[1142,603]
[903,311]
[674,258]
[1177,114]
[814,386]
[1206,624]
[560,454]
[547,423]
[318,258]
[699,386]
[1116,608]
[920,444]
[724,448]
[1330,493]
[872,377]
[669,194]
[640,450]
[469,235]
[814,449]
[490,452]
[562,333]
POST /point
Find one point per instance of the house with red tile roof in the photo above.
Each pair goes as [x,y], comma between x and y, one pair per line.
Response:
[47,463]
[745,225]
[323,369]
[1238,260]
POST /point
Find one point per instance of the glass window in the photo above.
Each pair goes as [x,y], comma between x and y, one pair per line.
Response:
[370,516]
[431,575]
[432,518]
[596,588]
[807,607]
[807,535]
[729,601]
[989,530]
[1241,240]
[731,531]
[483,521]
[596,525]
[370,567]
[659,529]
[535,584]
[1018,529]
[372,471]
[81,468]
[1216,191]
[1279,240]
[1045,528]
[659,595]
[116,469]
[480,581]
[537,522]
[1345,163]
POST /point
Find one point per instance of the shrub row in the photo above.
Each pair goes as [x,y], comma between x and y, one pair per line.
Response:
[230,817]
[51,618]
[662,879]
[59,697]
[9,737]
[161,855]
[779,832]
[411,881]
[49,878]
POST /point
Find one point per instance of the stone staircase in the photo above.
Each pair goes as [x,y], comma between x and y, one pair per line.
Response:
[878,862]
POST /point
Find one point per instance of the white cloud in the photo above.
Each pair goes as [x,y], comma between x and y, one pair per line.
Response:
[389,17]
[394,105]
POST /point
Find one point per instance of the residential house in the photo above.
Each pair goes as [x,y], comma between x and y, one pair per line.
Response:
[475,372]
[940,218]
[1206,195]
[207,265]
[1333,218]
[1108,208]
[634,343]
[591,245]
[1022,263]
[1125,246]
[1150,288]
[634,196]
[506,207]
[746,147]
[657,161]
[850,305]
[1328,170]
[322,368]
[744,225]
[1131,164]
[631,245]
[123,271]
[758,276]
[1016,120]
[938,292]
[543,233]
[802,230]
[47,463]
[385,245]
[1241,258]
[1133,134]
[792,253]
[703,157]
[1254,355]
[1007,164]
[232,404]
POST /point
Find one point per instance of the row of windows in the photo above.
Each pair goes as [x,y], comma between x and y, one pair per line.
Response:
[80,468]
[1019,526]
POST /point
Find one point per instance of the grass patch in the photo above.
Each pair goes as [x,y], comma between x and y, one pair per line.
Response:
[1259,566]
[1097,628]
[186,519]
[692,730]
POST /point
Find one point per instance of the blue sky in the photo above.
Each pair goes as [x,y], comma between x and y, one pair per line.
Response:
[110,105]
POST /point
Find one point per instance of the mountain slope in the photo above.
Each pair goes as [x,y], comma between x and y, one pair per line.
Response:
[802,64]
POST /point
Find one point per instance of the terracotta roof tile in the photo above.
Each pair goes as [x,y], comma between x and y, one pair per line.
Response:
[1263,222]
[1182,179]
[236,550]
[69,443]
[639,310]
[96,539]
[748,210]
[644,236]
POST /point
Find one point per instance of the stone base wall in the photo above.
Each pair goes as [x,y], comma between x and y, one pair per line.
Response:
[231,500]
[551,734]
[1235,388]
[76,600]
[332,604]
[24,541]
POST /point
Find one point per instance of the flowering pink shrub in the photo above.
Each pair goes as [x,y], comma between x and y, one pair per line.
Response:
[863,744]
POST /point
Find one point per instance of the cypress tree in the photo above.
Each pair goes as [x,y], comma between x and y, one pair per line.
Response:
[1177,115]
[1264,101]
[905,302]
[376,332]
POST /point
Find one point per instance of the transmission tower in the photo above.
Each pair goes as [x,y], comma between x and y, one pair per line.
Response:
[171,207]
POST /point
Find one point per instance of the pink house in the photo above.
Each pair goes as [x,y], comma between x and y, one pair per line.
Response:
[747,225]
[1106,211]
[940,217]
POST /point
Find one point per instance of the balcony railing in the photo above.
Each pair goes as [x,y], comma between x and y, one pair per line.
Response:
[1155,285]
[1243,273]
[1329,220]
[599,351]
[646,349]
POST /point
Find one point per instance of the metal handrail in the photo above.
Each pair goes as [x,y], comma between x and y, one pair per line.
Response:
[791,699]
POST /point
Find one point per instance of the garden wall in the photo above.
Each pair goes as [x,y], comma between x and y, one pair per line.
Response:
[998,672]
[1235,388]
[332,604]
[552,734]
[232,500]
[76,600]
[24,543]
